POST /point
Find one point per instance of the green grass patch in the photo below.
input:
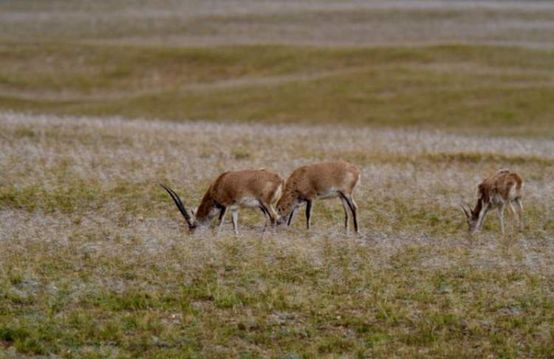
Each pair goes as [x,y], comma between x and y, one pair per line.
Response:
[350,306]
[495,89]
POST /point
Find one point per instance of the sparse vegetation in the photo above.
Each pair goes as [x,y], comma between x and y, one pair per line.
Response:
[465,88]
[96,260]
[424,97]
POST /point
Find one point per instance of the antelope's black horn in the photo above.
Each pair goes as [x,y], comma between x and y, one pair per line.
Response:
[464,209]
[175,197]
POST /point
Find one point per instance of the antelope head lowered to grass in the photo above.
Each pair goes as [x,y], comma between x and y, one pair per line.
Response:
[320,181]
[497,191]
[249,188]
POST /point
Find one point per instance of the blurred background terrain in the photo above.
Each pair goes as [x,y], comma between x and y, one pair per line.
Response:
[460,65]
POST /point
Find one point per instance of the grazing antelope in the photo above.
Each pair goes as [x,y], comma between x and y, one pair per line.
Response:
[231,190]
[497,191]
[320,181]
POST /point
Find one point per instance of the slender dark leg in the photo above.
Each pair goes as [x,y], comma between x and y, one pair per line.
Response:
[290,216]
[353,208]
[345,207]
[481,217]
[273,214]
[308,213]
[222,213]
[268,213]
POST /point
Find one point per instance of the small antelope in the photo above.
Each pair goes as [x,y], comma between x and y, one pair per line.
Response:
[231,190]
[497,191]
[320,181]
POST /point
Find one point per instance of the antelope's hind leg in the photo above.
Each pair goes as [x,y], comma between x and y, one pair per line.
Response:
[515,215]
[501,217]
[235,218]
[308,213]
[519,208]
[353,209]
[345,207]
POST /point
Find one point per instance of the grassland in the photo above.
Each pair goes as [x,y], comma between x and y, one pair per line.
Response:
[465,88]
[105,59]
[101,101]
[321,23]
[96,261]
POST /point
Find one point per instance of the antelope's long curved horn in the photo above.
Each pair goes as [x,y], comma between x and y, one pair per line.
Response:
[464,209]
[179,205]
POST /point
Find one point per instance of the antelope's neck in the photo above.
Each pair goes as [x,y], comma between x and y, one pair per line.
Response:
[478,208]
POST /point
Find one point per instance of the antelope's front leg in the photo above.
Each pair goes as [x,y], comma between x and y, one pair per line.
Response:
[289,221]
[267,216]
[221,218]
[269,212]
[481,217]
[501,217]
[274,215]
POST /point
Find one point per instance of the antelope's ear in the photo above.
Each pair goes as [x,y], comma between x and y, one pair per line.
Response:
[193,211]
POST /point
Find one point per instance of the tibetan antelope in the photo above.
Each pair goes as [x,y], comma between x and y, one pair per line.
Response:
[497,191]
[249,188]
[320,181]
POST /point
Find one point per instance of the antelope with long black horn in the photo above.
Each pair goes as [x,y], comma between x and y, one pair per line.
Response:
[259,189]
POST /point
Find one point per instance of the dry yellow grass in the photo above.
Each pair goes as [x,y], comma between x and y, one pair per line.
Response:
[95,260]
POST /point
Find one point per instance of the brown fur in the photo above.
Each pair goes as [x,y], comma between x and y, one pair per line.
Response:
[233,189]
[320,180]
[497,191]
[501,183]
[230,187]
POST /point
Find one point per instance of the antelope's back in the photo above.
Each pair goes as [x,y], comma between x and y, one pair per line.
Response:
[232,186]
[325,175]
[506,183]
